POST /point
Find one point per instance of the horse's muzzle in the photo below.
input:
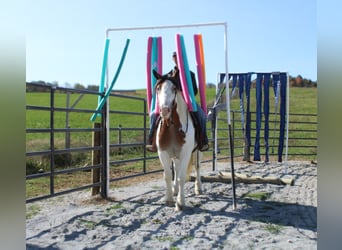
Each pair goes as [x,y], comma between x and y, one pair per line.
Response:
[165,111]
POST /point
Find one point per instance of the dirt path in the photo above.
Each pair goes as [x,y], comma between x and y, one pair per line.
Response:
[267,216]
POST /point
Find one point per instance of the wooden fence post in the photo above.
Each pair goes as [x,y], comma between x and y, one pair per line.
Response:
[96,159]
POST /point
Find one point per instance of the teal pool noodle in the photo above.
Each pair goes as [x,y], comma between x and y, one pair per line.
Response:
[154,66]
[104,67]
[103,72]
[188,75]
[104,99]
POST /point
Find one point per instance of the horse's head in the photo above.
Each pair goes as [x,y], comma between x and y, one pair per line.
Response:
[166,91]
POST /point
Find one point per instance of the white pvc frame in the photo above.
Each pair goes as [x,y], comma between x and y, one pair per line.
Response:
[287,119]
[224,24]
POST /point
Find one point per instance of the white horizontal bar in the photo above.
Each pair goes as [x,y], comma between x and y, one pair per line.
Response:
[166,27]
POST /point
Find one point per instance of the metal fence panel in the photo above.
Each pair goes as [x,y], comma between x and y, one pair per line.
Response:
[59,140]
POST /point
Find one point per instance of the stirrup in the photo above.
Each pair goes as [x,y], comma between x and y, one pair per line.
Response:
[151,148]
[204,147]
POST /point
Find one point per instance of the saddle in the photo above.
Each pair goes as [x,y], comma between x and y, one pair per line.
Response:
[199,136]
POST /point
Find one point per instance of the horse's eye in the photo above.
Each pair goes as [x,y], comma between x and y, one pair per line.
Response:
[158,88]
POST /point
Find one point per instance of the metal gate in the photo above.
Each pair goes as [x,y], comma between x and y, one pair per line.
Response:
[66,152]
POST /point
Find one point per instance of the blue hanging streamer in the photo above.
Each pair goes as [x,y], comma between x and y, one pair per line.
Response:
[234,85]
[222,76]
[275,83]
[248,111]
[266,112]
[276,90]
[242,78]
[282,113]
[258,117]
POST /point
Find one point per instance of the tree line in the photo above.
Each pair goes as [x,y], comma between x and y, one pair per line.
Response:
[299,81]
[40,86]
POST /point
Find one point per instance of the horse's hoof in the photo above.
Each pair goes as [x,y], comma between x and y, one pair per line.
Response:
[178,207]
[198,192]
[170,203]
[174,192]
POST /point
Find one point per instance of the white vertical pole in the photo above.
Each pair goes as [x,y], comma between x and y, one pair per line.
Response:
[215,132]
[227,75]
[287,118]
[108,129]
[228,117]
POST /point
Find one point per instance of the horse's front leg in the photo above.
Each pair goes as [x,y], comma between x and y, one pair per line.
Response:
[166,162]
[174,179]
[181,168]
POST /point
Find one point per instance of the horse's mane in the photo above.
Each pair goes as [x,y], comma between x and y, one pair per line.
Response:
[174,80]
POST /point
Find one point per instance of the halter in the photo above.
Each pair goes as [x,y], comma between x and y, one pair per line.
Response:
[174,104]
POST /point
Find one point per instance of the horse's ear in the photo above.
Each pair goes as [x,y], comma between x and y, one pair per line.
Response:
[156,74]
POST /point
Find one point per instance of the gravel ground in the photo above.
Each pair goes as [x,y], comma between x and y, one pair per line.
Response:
[267,216]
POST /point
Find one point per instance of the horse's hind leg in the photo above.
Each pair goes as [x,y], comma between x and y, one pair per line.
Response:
[198,182]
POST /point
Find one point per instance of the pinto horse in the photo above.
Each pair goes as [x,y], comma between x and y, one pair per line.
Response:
[175,140]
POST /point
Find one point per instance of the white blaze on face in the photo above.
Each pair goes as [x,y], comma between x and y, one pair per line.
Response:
[166,92]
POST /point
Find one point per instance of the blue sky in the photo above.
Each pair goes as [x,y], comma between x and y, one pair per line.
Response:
[65,39]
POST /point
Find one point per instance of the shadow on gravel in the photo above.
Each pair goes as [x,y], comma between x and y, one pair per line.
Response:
[279,213]
[148,216]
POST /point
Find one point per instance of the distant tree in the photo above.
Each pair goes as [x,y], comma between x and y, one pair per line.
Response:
[41,82]
[93,87]
[299,81]
[67,85]
[54,83]
[210,85]
[37,86]
[292,82]
[78,86]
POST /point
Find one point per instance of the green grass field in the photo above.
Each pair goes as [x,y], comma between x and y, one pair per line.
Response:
[302,100]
